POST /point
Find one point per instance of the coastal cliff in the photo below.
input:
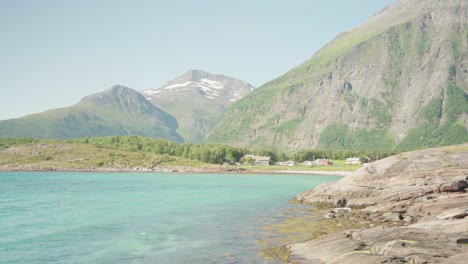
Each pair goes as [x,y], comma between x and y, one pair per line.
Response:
[417,207]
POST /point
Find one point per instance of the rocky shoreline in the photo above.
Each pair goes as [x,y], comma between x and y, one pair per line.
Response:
[414,209]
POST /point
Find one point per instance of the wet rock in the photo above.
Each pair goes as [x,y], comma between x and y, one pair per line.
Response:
[462,185]
[341,202]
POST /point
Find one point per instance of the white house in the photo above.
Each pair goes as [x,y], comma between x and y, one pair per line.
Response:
[287,163]
[353,161]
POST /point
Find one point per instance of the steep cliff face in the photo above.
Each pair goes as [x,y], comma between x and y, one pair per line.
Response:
[397,81]
[197,99]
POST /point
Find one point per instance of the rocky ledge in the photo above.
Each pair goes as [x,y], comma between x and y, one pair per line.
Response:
[421,194]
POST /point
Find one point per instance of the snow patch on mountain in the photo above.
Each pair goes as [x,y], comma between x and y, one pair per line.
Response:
[154,91]
[209,87]
[219,89]
[211,83]
[177,85]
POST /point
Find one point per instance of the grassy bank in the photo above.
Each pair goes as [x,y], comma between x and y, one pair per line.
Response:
[30,154]
[66,156]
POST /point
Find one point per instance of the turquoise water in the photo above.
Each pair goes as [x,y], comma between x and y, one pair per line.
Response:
[138,217]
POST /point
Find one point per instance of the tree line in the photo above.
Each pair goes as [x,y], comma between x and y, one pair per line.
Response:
[209,153]
[218,153]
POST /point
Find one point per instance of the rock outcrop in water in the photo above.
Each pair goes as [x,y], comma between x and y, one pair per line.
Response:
[422,192]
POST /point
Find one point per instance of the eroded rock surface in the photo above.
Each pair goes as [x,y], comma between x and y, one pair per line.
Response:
[424,191]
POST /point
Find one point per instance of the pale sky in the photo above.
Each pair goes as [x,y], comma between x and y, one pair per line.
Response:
[54,52]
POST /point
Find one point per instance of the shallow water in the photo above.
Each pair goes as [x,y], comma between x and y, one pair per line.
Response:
[139,217]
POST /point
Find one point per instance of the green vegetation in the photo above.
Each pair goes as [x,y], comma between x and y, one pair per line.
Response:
[452,72]
[349,98]
[456,149]
[432,112]
[422,42]
[340,137]
[10,142]
[116,111]
[75,156]
[336,137]
[379,111]
[456,44]
[124,152]
[457,102]
[432,133]
[209,153]
[289,126]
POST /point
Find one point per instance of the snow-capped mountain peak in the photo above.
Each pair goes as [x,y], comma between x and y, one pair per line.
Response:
[197,99]
[210,86]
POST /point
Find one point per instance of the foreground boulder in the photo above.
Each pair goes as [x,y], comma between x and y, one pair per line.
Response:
[423,191]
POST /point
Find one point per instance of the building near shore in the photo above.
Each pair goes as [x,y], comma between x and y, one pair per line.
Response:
[353,161]
[259,160]
[323,162]
[287,163]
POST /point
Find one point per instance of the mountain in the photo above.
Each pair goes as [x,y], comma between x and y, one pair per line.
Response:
[398,81]
[197,99]
[116,111]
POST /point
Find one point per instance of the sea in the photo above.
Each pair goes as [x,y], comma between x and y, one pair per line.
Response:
[54,217]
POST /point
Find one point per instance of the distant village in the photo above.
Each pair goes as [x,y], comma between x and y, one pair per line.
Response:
[266,161]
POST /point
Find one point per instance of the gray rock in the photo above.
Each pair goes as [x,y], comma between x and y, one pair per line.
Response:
[344,209]
[456,213]
[392,217]
[409,185]
[408,219]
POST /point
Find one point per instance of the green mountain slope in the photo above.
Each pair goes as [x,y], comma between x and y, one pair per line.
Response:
[397,81]
[116,111]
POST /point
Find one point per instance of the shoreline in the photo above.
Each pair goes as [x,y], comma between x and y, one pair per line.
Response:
[221,170]
[315,172]
[409,208]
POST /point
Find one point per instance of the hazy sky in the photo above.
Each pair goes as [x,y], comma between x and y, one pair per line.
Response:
[55,52]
